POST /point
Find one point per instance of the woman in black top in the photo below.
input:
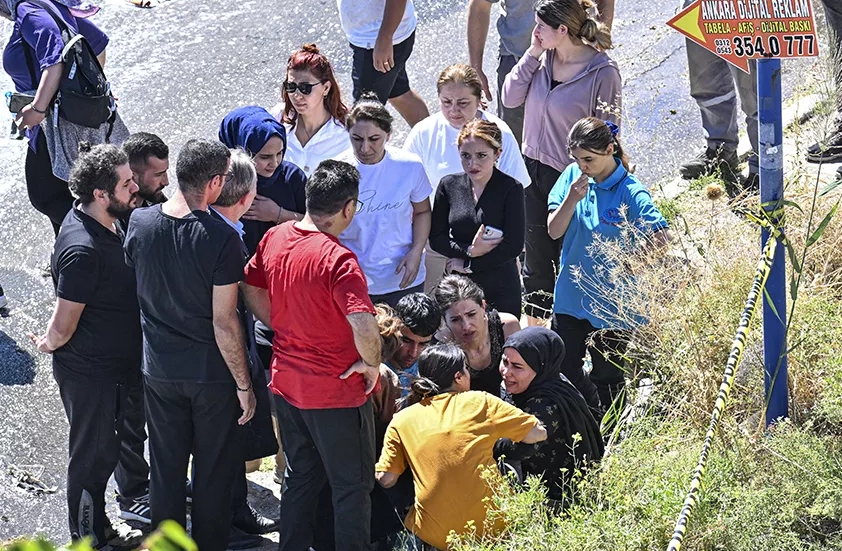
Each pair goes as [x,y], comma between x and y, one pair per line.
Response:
[480,332]
[531,371]
[474,203]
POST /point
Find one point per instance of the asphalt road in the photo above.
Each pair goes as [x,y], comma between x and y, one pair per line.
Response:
[178,68]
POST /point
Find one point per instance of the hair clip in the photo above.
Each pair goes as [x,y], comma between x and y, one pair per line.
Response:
[612,127]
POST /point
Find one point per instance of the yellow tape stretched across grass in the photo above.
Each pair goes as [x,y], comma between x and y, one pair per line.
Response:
[764,266]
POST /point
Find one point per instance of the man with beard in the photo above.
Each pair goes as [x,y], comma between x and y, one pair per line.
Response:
[149,160]
[94,334]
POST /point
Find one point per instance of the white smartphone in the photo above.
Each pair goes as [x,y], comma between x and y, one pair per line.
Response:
[492,233]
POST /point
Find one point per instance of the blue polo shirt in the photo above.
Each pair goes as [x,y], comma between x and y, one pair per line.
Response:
[600,211]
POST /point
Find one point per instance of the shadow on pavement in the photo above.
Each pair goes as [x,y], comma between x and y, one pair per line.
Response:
[17,366]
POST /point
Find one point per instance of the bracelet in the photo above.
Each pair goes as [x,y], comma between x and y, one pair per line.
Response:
[245,389]
[469,251]
[32,106]
[280,212]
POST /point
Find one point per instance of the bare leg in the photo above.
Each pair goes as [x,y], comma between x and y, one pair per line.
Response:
[411,107]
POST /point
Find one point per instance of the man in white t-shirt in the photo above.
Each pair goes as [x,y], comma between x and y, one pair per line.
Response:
[382,34]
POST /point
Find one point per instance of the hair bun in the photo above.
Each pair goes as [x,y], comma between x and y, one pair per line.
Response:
[368,95]
[589,30]
[311,48]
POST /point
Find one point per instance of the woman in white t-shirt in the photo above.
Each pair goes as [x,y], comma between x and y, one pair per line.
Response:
[434,140]
[312,110]
[392,224]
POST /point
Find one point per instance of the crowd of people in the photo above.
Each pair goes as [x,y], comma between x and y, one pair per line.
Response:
[377,291]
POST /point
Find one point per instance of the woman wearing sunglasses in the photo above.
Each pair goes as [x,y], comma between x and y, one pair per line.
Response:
[312,110]
[392,223]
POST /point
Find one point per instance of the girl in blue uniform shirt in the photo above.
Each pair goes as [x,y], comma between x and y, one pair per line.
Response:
[595,195]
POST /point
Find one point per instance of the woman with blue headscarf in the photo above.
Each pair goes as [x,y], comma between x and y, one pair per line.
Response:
[280,184]
[280,197]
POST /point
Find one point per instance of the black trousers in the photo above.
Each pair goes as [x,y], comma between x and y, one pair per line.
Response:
[501,287]
[197,418]
[48,194]
[540,266]
[94,409]
[334,446]
[132,472]
[394,297]
[606,380]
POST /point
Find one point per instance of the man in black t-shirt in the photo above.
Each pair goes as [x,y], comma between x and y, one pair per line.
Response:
[188,265]
[94,334]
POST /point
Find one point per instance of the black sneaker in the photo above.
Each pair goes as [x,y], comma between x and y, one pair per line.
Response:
[828,151]
[136,509]
[751,185]
[711,161]
[251,522]
[123,536]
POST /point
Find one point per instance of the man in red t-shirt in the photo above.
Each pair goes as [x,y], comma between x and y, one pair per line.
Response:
[310,290]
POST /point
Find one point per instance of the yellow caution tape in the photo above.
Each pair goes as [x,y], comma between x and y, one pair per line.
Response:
[764,266]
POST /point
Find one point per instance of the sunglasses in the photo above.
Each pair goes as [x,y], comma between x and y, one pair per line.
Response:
[304,87]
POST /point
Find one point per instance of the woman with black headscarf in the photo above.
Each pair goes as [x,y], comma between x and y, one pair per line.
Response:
[531,370]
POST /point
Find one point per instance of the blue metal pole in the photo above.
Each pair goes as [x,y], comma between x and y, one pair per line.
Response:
[771,194]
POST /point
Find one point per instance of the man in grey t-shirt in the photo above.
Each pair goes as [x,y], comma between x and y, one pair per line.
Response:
[514,26]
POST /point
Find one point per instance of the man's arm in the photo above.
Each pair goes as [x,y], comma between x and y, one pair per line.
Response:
[606,12]
[229,337]
[479,18]
[384,58]
[257,301]
[62,325]
[366,338]
[367,341]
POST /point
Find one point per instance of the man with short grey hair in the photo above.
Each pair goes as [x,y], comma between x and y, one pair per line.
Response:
[234,200]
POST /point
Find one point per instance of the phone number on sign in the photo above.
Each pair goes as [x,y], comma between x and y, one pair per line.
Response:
[761,46]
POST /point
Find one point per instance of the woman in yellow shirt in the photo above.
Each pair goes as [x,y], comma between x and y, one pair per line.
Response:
[444,437]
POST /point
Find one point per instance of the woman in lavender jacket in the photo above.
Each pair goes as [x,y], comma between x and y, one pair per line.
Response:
[562,78]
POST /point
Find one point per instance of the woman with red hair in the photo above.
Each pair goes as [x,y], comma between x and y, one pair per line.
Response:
[312,110]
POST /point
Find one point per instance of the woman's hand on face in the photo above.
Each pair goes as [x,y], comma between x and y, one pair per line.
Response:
[410,263]
[578,189]
[29,118]
[535,48]
[481,246]
[263,209]
[456,266]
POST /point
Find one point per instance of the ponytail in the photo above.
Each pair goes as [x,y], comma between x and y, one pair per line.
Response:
[437,370]
[421,388]
[597,33]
